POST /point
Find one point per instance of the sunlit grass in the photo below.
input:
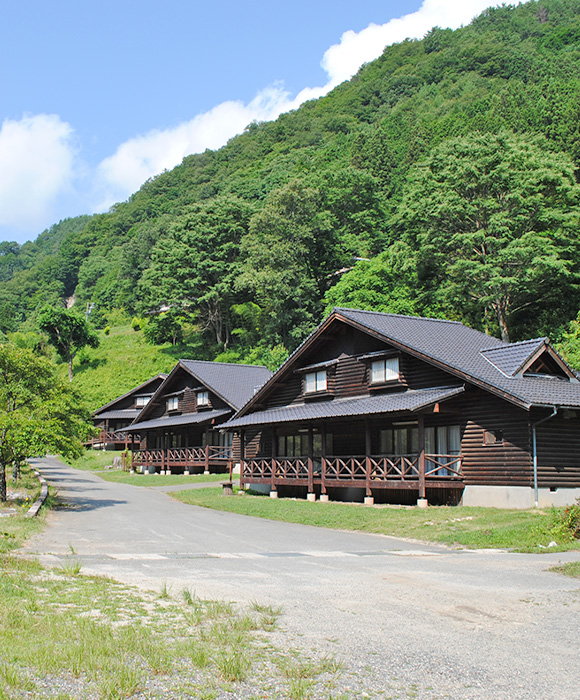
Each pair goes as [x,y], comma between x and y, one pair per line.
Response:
[521,530]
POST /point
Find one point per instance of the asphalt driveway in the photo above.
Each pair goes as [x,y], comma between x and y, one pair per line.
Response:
[413,619]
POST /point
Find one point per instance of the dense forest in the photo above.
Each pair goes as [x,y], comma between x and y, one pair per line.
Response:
[441,180]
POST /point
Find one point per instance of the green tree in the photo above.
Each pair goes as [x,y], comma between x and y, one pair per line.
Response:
[67,333]
[495,221]
[194,267]
[289,257]
[38,412]
[163,328]
[387,283]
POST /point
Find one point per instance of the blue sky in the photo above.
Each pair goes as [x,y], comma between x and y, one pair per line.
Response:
[98,96]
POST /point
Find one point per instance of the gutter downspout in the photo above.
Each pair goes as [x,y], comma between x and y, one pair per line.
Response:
[535,452]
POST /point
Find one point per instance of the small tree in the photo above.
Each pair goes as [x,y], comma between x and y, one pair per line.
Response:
[38,413]
[68,333]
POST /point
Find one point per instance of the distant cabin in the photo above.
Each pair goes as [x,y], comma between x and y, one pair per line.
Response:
[116,415]
[180,428]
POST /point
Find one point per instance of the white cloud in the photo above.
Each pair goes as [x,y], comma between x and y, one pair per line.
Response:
[36,166]
[141,157]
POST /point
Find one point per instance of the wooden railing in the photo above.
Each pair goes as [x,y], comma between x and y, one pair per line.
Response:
[185,457]
[106,437]
[376,469]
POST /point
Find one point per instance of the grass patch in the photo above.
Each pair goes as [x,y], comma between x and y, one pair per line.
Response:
[520,530]
[65,635]
[571,569]
[21,493]
[158,480]
[61,629]
[95,460]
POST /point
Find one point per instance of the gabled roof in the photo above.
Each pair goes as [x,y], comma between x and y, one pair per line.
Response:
[233,383]
[142,388]
[123,414]
[463,352]
[412,400]
[183,419]
[513,358]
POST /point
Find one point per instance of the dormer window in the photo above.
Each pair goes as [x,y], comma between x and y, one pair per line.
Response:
[141,401]
[385,370]
[173,403]
[202,398]
[315,381]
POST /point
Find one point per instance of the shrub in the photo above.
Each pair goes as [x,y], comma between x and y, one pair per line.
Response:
[136,323]
[566,522]
[107,330]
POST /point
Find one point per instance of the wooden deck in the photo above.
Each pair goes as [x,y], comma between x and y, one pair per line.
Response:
[372,472]
[183,459]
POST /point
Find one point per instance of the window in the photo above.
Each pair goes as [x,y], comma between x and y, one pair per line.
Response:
[444,442]
[141,401]
[202,398]
[385,370]
[173,403]
[400,440]
[492,437]
[315,381]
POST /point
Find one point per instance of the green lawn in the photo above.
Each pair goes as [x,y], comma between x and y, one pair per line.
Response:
[98,461]
[520,530]
[158,480]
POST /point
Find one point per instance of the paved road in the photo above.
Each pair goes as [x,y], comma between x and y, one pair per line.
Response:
[449,623]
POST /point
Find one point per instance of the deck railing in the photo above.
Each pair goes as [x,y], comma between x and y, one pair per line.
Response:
[355,470]
[105,437]
[186,457]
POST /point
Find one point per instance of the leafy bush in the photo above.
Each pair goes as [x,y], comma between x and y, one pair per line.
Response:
[566,522]
[136,323]
[107,330]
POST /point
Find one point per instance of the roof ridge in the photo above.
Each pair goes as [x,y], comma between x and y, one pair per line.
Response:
[231,364]
[420,318]
[518,343]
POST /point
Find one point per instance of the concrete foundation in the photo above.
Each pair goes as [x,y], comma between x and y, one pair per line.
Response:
[520,497]
[206,472]
[324,498]
[273,494]
[422,503]
[311,497]
[369,501]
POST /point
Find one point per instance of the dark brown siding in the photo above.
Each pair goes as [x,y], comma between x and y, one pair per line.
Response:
[558,445]
[506,463]
[350,375]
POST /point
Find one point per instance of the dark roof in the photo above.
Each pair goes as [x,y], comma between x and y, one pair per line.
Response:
[461,351]
[411,400]
[128,413]
[182,419]
[466,352]
[129,393]
[509,359]
[236,384]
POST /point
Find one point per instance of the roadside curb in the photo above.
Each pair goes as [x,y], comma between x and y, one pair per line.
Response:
[36,506]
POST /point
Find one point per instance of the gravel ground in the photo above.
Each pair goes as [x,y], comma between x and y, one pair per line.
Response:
[406,619]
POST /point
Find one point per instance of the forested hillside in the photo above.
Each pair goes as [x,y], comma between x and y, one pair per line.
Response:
[441,180]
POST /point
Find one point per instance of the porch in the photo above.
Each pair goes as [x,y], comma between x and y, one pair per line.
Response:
[398,458]
[183,460]
[107,439]
[417,472]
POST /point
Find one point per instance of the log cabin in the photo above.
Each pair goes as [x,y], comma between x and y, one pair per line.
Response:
[400,409]
[111,418]
[179,427]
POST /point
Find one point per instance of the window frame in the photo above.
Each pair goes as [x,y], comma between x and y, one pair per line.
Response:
[319,385]
[202,393]
[388,375]
[173,403]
